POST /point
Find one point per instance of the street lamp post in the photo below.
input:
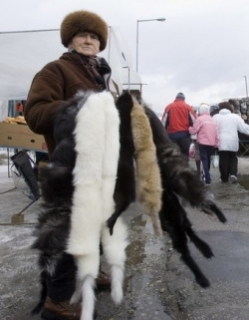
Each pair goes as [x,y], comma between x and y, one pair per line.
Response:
[160,19]
[246,87]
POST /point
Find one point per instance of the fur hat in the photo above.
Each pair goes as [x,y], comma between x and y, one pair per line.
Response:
[79,21]
[180,95]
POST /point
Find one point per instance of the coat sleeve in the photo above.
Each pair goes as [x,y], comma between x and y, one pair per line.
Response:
[165,117]
[192,116]
[242,126]
[195,128]
[45,96]
[217,140]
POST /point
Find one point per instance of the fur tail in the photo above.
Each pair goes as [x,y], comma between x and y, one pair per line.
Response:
[43,294]
[117,274]
[114,250]
[88,298]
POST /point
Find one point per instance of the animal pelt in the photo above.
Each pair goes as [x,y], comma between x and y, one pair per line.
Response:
[148,174]
[78,190]
[180,180]
[125,191]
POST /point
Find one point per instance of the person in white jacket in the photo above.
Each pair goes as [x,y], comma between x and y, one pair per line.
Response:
[229,124]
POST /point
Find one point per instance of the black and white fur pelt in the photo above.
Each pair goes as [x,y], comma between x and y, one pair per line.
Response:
[78,190]
[180,180]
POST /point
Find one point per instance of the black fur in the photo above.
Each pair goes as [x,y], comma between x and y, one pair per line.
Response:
[124,193]
[53,226]
[174,221]
[43,294]
[182,179]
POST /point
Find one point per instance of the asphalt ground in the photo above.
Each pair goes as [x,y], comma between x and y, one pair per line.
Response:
[157,286]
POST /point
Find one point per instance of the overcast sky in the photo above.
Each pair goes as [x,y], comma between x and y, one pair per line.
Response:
[202,49]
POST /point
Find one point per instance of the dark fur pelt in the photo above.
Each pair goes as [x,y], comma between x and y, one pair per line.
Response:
[178,179]
[176,223]
[125,192]
[183,180]
[57,189]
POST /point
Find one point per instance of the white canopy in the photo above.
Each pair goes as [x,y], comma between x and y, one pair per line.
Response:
[24,53]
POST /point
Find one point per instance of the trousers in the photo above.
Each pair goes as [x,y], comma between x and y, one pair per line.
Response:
[228,164]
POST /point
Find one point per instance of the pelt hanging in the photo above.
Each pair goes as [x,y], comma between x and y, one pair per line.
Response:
[148,174]
[180,180]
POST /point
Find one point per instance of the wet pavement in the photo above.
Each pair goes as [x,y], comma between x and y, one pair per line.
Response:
[157,284]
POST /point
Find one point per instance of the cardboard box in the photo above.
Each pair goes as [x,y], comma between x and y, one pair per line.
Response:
[21,137]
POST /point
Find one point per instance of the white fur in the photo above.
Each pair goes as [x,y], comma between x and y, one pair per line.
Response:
[88,301]
[114,249]
[87,265]
[95,173]
[110,161]
[86,209]
[117,273]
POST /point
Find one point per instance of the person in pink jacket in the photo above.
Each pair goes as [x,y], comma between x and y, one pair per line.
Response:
[207,136]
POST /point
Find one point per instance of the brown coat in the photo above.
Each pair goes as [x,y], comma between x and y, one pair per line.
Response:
[57,82]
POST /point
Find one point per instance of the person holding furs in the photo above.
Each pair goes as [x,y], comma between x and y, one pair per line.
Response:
[84,34]
[104,155]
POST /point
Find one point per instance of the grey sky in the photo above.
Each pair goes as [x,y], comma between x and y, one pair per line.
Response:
[202,49]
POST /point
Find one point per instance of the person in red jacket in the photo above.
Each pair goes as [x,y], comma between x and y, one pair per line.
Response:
[178,116]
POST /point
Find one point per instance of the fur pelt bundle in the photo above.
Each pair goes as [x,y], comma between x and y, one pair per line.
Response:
[91,176]
[107,156]
[178,180]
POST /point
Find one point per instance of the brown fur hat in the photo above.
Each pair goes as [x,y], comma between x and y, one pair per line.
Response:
[79,21]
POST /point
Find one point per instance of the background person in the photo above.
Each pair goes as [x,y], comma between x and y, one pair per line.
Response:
[177,118]
[84,34]
[207,137]
[228,124]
